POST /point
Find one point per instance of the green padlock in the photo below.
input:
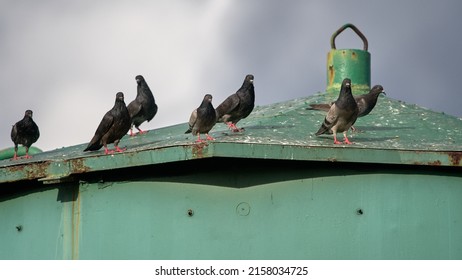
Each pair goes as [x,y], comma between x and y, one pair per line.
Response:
[354,64]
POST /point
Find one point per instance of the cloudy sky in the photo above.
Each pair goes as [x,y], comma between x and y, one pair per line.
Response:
[66,60]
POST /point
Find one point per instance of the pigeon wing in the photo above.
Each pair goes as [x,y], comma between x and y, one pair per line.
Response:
[14,133]
[362,105]
[228,106]
[329,121]
[134,108]
[192,121]
[103,128]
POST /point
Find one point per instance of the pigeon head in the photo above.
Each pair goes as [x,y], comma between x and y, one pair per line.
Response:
[249,78]
[120,96]
[28,113]
[378,89]
[139,78]
[346,83]
[208,98]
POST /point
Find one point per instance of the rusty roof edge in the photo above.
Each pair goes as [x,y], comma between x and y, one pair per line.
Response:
[61,170]
[394,133]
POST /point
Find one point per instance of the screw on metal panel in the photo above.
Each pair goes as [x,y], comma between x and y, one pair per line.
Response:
[190,212]
[243,209]
[359,211]
[19,228]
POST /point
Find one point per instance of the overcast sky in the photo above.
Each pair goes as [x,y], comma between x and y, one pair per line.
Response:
[66,60]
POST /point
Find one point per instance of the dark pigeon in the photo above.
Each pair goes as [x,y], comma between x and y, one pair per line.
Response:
[366,102]
[341,115]
[24,132]
[144,107]
[238,105]
[203,119]
[114,125]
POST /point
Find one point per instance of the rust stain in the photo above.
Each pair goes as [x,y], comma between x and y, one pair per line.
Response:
[455,157]
[198,149]
[76,204]
[331,74]
[354,56]
[435,163]
[31,170]
[330,68]
[78,166]
[431,163]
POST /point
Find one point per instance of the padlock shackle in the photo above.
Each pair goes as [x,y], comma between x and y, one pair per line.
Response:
[355,29]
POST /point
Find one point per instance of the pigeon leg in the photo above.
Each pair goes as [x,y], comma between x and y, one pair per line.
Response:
[141,131]
[107,151]
[27,156]
[199,140]
[345,140]
[15,157]
[131,132]
[117,149]
[335,140]
[233,127]
[209,137]
[354,129]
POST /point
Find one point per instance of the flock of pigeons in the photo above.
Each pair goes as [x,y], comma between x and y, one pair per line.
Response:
[341,115]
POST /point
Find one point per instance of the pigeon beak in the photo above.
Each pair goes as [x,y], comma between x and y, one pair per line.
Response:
[383,92]
[251,81]
[347,84]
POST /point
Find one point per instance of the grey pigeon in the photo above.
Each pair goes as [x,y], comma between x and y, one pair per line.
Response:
[341,115]
[203,119]
[114,125]
[144,107]
[238,105]
[24,132]
[366,102]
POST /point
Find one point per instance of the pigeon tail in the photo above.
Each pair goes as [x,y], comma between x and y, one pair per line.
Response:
[319,107]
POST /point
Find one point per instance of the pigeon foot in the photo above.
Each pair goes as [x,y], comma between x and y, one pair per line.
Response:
[117,149]
[346,141]
[142,131]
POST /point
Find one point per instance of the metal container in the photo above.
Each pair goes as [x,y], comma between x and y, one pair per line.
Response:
[349,63]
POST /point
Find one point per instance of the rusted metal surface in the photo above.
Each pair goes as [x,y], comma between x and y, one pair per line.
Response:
[455,158]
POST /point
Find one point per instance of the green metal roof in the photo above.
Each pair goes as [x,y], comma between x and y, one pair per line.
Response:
[393,133]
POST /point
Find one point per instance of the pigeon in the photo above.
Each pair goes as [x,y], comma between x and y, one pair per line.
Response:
[341,115]
[203,119]
[24,132]
[114,125]
[366,102]
[144,107]
[238,105]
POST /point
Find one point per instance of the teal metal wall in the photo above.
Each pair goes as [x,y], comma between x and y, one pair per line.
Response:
[223,208]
